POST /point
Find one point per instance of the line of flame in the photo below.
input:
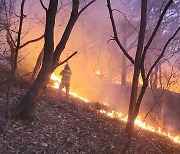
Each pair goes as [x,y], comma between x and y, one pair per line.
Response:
[121,116]
[144,125]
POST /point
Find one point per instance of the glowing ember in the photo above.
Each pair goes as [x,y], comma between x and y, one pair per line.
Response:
[120,115]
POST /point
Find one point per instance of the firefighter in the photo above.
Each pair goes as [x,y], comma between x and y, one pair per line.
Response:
[65,80]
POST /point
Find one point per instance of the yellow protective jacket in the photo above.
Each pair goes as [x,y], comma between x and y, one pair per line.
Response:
[66,76]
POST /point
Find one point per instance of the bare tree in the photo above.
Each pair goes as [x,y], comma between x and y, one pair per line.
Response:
[37,65]
[40,57]
[9,24]
[141,52]
[12,27]
[165,31]
[13,70]
[51,56]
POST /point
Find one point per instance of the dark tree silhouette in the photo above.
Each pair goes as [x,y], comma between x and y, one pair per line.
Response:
[27,106]
[139,62]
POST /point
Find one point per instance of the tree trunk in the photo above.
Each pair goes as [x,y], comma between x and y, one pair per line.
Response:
[38,65]
[124,61]
[124,71]
[162,114]
[160,76]
[163,107]
[27,106]
[155,81]
[134,90]
[130,125]
[12,59]
[12,49]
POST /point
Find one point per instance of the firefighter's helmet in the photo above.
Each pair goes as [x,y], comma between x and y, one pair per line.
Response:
[67,67]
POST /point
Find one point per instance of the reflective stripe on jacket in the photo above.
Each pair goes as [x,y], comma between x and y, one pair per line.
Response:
[66,76]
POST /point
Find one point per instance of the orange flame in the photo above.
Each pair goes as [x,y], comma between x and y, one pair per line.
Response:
[121,116]
[98,72]
[56,85]
[144,125]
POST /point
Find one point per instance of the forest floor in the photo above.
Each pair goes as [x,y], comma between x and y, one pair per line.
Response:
[70,127]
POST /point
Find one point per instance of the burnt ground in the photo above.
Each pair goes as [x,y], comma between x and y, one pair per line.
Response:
[71,126]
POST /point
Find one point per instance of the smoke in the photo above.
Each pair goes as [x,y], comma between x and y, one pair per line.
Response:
[96,69]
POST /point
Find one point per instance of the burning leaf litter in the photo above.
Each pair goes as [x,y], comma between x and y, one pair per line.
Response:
[119,115]
[72,127]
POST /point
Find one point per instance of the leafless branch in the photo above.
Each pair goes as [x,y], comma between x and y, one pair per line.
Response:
[163,51]
[126,19]
[151,143]
[155,30]
[67,59]
[22,76]
[4,56]
[23,58]
[62,6]
[42,4]
[161,6]
[31,41]
[157,99]
[86,50]
[115,34]
[111,39]
[13,71]
[86,6]
[12,40]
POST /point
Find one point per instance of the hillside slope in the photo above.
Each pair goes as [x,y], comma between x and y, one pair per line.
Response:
[71,126]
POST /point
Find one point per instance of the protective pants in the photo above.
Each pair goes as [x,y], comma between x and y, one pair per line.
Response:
[67,87]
